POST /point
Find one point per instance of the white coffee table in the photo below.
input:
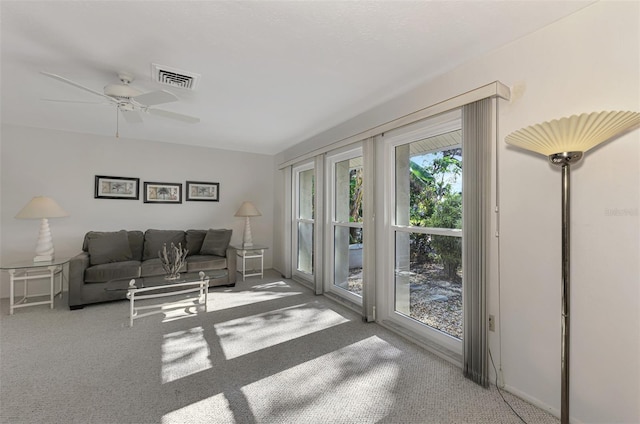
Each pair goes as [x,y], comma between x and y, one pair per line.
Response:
[158,287]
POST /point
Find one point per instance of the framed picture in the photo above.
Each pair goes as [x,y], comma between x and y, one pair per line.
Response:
[117,188]
[201,191]
[162,192]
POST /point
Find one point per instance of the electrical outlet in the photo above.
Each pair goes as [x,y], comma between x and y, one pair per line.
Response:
[492,323]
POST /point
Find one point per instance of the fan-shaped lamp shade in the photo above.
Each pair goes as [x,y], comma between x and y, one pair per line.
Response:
[41,207]
[577,133]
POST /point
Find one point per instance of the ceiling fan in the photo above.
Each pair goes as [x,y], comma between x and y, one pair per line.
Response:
[129,100]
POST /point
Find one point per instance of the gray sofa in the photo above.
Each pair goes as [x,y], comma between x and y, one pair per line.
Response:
[125,254]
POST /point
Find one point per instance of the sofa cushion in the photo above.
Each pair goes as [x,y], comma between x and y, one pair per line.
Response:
[152,267]
[112,271]
[136,242]
[216,242]
[194,241]
[154,239]
[108,247]
[198,263]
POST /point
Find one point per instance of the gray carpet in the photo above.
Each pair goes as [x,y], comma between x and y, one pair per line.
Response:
[268,351]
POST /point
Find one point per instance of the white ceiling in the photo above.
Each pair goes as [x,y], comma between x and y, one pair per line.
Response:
[274,73]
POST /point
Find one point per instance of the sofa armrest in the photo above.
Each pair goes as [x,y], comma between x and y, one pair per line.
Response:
[77,265]
[231,264]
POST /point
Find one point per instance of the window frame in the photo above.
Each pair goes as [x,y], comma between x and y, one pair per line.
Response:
[355,150]
[295,271]
[429,127]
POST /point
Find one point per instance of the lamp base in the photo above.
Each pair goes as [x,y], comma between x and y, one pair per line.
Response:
[247,241]
[43,258]
[44,246]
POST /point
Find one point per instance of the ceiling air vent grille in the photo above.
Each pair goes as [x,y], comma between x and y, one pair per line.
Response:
[174,77]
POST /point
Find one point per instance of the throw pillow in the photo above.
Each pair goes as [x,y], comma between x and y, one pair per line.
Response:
[194,241]
[216,242]
[136,242]
[109,247]
[154,239]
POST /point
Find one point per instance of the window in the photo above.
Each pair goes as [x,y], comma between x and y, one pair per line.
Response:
[428,237]
[345,237]
[304,213]
[425,223]
[426,228]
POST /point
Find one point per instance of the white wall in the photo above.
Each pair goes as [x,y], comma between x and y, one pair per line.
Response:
[278,214]
[587,62]
[63,165]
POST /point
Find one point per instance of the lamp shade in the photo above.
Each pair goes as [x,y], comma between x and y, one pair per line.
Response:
[41,207]
[577,133]
[247,209]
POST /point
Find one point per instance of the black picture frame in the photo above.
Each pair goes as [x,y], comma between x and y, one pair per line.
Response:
[124,188]
[201,191]
[162,192]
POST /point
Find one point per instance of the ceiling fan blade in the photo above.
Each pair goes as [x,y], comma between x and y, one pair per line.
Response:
[155,98]
[131,116]
[74,101]
[82,87]
[173,115]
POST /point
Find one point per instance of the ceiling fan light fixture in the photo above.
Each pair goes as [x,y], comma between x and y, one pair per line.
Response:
[121,91]
[126,107]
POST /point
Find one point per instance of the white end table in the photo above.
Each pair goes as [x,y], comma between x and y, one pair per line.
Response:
[29,270]
[250,252]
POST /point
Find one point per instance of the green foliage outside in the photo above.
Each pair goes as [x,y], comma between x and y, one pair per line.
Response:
[356,194]
[435,203]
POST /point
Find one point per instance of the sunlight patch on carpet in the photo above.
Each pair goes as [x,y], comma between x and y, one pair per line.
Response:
[249,334]
[366,372]
[184,353]
[214,409]
[271,285]
[187,309]
[220,300]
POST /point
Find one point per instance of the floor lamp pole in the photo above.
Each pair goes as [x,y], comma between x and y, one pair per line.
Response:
[572,137]
[565,160]
[566,266]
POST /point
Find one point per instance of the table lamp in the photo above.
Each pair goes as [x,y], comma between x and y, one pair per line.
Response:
[564,141]
[41,207]
[247,209]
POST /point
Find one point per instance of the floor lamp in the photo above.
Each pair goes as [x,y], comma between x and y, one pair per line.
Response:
[564,141]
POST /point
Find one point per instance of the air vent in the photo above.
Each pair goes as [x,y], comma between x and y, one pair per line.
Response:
[174,77]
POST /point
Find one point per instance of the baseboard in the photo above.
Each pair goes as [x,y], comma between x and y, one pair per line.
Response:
[537,402]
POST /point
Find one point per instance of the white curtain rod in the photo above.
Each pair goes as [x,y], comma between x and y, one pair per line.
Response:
[494,89]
